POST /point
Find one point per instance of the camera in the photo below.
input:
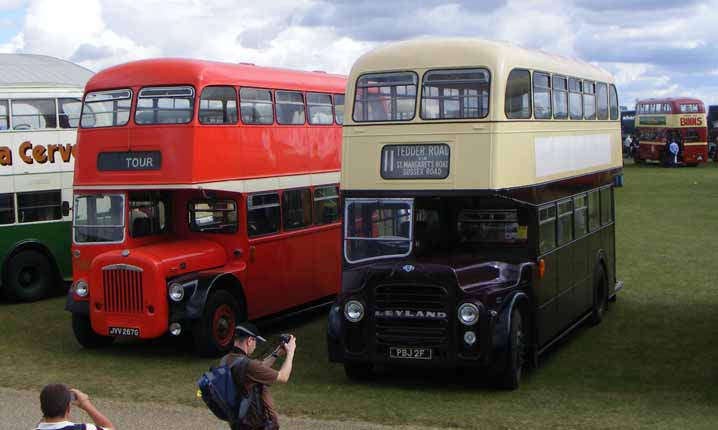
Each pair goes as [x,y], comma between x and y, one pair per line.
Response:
[285,338]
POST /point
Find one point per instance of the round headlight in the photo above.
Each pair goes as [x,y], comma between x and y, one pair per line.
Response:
[354,310]
[176,292]
[470,338]
[468,314]
[81,288]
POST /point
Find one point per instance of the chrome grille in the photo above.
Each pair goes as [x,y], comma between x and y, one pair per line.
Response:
[122,286]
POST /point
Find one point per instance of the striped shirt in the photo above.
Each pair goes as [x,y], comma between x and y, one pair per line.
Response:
[67,425]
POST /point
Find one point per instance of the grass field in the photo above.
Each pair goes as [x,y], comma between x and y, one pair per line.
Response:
[651,364]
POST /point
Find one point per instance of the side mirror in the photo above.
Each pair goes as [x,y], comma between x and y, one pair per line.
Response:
[65,208]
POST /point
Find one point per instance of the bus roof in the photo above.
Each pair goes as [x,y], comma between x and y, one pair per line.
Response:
[200,73]
[678,100]
[27,70]
[501,57]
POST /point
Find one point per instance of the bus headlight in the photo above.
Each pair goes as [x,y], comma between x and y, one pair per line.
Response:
[176,292]
[81,288]
[354,310]
[468,314]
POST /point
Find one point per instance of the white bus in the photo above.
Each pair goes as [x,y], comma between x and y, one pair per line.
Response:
[40,100]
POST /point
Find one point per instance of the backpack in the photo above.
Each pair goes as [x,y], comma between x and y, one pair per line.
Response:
[220,394]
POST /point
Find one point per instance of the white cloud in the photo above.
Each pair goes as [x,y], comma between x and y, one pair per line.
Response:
[648,50]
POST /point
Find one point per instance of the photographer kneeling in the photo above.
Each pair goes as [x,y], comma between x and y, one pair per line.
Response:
[259,375]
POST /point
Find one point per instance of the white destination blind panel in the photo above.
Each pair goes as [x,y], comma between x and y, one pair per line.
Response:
[421,161]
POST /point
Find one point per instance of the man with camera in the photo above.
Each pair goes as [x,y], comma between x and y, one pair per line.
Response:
[55,400]
[259,375]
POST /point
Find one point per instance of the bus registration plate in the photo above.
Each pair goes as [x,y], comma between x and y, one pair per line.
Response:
[419,161]
[410,353]
[124,331]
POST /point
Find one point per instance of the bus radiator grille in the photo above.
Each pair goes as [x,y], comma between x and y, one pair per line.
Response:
[419,331]
[123,291]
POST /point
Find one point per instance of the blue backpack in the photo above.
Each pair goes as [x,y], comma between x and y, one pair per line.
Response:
[219,392]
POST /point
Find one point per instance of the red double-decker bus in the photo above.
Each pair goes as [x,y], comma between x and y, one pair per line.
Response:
[205,194]
[661,121]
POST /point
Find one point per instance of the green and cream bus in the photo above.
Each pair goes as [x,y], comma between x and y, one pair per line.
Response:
[478,206]
[40,101]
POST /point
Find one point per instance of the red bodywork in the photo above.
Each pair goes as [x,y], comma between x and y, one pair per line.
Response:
[274,272]
[692,129]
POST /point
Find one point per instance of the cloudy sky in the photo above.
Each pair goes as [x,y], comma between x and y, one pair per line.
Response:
[653,47]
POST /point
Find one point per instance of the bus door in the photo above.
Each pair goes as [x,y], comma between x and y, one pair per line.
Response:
[266,263]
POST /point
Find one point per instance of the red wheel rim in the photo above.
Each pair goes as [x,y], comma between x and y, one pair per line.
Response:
[223,325]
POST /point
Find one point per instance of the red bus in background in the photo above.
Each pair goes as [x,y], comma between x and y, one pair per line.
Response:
[659,121]
[205,194]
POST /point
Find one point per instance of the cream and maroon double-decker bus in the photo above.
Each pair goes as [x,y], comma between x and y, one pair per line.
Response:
[205,194]
[662,121]
[478,229]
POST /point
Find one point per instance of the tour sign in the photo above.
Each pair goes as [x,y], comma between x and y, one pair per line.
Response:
[142,160]
[420,161]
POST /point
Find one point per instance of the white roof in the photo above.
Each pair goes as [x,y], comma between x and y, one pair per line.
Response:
[23,70]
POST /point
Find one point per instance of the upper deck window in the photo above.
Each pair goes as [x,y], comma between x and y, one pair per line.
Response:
[560,98]
[33,114]
[69,110]
[165,105]
[4,117]
[690,108]
[218,105]
[542,96]
[602,101]
[613,95]
[106,108]
[255,106]
[385,97]
[575,104]
[290,107]
[319,108]
[339,108]
[589,100]
[455,94]
[517,101]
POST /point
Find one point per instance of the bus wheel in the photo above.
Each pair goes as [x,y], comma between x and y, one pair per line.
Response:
[600,296]
[29,276]
[213,333]
[85,335]
[517,352]
[359,371]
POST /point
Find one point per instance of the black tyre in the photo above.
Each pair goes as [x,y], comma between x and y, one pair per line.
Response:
[600,296]
[213,333]
[359,371]
[29,276]
[517,352]
[86,336]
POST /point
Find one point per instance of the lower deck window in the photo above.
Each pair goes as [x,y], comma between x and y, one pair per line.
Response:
[99,218]
[263,214]
[547,229]
[7,209]
[148,214]
[213,216]
[326,205]
[490,226]
[377,229]
[39,206]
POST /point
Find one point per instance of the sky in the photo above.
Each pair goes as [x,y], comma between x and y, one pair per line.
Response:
[654,48]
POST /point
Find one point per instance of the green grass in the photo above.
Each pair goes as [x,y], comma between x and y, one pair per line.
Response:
[652,363]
